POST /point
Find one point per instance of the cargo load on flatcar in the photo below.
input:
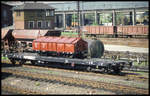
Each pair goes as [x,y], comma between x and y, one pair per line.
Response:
[68,47]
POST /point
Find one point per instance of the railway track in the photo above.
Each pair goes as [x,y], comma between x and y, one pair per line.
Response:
[27,91]
[17,91]
[136,69]
[117,88]
[126,74]
[123,75]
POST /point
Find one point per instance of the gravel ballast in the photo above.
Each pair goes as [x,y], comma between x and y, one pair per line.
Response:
[49,88]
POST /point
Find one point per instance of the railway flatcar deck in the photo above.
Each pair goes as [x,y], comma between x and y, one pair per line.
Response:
[103,64]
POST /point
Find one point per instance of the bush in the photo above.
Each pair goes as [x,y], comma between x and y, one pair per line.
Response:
[94,24]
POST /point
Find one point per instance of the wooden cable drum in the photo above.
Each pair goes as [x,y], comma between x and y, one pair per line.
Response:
[95,48]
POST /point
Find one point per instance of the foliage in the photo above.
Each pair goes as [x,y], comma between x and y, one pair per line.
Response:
[95,23]
[143,18]
[37,84]
[122,19]
[69,34]
[74,18]
[141,64]
[89,18]
[105,18]
[4,58]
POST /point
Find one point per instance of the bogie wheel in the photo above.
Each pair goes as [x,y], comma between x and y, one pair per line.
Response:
[33,62]
[107,70]
[88,68]
[117,71]
[21,62]
[13,61]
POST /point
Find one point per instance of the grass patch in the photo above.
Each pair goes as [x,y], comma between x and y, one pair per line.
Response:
[142,73]
[71,34]
[37,84]
[141,64]
[50,72]
[4,58]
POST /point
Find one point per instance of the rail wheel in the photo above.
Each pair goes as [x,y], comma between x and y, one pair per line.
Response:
[107,69]
[33,62]
[117,71]
[21,62]
[88,68]
[13,61]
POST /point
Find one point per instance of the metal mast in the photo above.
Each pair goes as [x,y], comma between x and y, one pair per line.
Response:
[78,7]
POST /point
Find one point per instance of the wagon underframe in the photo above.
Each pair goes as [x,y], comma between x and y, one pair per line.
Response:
[103,64]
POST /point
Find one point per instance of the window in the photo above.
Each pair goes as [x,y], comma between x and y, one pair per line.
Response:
[39,13]
[31,24]
[55,19]
[49,13]
[48,24]
[18,13]
[39,24]
[4,13]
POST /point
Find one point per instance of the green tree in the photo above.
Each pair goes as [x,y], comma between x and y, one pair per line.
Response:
[109,18]
[90,18]
[125,21]
[95,23]
[105,18]
[122,19]
[74,18]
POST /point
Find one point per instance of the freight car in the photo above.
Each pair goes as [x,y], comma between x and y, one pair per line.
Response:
[21,40]
[133,31]
[94,62]
[117,31]
[104,65]
[77,47]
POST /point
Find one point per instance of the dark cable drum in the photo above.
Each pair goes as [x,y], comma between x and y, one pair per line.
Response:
[95,48]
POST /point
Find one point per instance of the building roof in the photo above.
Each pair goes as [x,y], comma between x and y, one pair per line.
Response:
[27,6]
[95,5]
[5,3]
[84,5]
[12,3]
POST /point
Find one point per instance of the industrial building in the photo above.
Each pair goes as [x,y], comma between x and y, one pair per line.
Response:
[6,15]
[105,13]
[100,11]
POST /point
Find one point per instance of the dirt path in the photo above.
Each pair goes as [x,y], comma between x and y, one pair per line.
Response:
[125,48]
[131,42]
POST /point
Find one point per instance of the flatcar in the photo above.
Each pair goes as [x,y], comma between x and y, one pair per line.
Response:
[64,50]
